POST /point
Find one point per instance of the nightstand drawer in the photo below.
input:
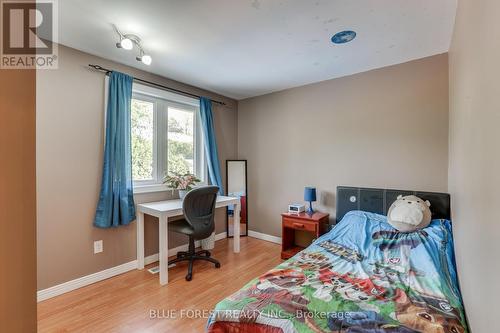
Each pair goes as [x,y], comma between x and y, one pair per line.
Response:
[299,225]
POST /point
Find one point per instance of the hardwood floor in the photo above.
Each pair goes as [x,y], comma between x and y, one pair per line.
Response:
[123,303]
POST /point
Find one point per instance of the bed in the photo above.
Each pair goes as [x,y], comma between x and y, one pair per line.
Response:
[362,276]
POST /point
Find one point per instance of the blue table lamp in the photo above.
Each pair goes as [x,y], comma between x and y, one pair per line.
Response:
[310,196]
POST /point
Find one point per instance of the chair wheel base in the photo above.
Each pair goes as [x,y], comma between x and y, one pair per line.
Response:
[217,265]
[189,277]
[205,253]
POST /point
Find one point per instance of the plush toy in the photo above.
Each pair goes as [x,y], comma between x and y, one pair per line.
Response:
[409,213]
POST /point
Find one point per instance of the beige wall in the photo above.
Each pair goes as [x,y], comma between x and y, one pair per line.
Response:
[69,163]
[383,128]
[17,201]
[474,178]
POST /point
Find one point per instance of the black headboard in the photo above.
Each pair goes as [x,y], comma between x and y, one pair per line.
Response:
[376,200]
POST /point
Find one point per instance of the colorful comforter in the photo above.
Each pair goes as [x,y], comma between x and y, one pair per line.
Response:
[362,276]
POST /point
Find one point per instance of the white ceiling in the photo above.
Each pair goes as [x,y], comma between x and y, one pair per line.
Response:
[244,48]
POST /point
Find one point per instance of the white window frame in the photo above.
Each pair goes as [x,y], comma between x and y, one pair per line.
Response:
[162,101]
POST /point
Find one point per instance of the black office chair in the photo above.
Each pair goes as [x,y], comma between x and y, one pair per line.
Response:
[198,223]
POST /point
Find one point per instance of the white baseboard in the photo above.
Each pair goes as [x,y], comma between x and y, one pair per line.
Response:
[266,237]
[172,252]
[83,281]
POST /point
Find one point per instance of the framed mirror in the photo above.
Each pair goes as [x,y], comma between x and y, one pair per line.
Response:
[236,182]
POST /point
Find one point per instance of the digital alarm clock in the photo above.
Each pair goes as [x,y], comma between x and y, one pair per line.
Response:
[296,208]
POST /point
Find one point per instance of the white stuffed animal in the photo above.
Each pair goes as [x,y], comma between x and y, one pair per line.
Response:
[409,213]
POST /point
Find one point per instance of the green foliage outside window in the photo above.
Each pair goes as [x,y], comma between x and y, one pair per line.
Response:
[179,153]
[180,142]
[142,139]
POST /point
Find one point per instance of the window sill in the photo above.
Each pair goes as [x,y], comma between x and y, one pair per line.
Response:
[142,189]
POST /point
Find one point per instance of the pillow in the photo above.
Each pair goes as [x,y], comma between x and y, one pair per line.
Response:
[409,213]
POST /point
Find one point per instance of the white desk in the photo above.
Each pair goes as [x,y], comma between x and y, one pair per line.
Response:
[169,208]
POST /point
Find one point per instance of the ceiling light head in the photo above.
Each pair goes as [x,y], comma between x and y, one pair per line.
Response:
[343,37]
[145,59]
[126,44]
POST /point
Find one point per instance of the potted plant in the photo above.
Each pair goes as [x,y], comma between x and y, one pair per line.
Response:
[182,183]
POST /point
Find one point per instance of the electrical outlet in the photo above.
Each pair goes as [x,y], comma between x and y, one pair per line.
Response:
[98,247]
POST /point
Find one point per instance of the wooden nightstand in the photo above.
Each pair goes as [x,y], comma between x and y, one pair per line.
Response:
[316,224]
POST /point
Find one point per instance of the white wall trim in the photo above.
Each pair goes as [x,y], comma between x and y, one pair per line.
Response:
[266,237]
[83,281]
[172,252]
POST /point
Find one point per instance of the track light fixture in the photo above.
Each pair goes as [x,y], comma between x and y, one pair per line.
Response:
[127,42]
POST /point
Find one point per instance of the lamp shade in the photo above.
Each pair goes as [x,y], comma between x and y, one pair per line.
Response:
[310,194]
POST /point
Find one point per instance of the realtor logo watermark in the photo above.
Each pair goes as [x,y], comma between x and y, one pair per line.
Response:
[29,34]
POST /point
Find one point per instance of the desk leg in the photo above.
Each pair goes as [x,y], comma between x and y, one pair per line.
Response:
[163,235]
[140,240]
[236,240]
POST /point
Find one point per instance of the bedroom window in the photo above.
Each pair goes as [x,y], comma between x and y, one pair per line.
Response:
[166,137]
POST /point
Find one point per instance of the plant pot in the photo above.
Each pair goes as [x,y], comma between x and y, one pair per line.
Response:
[182,194]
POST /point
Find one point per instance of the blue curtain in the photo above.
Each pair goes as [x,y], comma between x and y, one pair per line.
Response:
[207,125]
[116,202]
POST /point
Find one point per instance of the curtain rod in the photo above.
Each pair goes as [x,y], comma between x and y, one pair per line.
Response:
[107,71]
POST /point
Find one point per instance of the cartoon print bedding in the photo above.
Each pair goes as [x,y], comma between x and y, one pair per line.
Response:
[362,276]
